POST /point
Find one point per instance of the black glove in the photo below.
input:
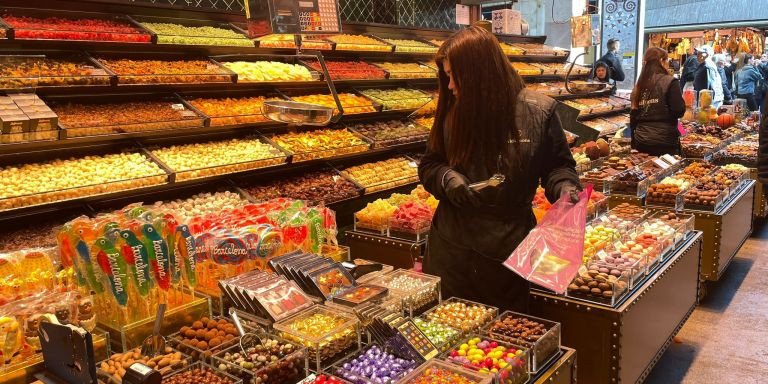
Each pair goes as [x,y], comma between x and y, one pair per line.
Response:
[571,190]
[457,189]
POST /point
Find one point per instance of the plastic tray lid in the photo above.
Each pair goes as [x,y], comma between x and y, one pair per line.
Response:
[333,280]
[283,300]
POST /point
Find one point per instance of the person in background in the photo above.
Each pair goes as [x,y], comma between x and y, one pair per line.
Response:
[688,71]
[746,82]
[762,86]
[730,69]
[657,104]
[707,76]
[613,60]
[720,62]
[488,123]
[602,73]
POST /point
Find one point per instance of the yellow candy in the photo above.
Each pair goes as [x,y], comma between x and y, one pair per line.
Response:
[464,346]
[494,370]
[462,352]
[502,364]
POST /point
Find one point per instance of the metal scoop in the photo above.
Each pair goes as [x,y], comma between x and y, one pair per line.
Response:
[495,180]
[155,342]
[247,340]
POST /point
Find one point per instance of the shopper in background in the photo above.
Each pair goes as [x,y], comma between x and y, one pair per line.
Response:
[657,104]
[707,76]
[762,86]
[613,59]
[688,71]
[720,62]
[487,123]
[746,82]
[730,69]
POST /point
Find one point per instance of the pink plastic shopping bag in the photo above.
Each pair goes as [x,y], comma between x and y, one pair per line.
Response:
[681,128]
[550,255]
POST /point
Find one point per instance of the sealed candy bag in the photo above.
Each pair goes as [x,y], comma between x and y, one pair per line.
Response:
[550,255]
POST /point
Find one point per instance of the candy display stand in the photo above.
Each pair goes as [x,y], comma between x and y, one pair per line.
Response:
[621,345]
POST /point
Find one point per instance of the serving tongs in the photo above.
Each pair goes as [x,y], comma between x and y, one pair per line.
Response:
[495,180]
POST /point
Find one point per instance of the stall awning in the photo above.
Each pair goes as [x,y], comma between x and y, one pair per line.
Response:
[688,15]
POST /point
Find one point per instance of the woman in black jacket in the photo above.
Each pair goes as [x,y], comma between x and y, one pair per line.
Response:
[487,123]
[762,150]
[657,103]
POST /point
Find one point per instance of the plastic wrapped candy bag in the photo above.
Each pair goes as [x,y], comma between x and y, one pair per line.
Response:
[550,255]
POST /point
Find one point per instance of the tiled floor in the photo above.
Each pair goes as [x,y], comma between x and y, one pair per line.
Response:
[726,338]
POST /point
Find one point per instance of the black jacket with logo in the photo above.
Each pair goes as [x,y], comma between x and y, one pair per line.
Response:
[654,122]
[505,217]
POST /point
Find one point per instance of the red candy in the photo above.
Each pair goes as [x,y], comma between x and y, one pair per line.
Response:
[350,70]
[412,216]
[323,379]
[54,28]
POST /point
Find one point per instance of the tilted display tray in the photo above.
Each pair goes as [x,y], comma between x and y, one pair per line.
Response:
[176,38]
[328,153]
[46,73]
[188,118]
[133,33]
[208,72]
[212,105]
[255,58]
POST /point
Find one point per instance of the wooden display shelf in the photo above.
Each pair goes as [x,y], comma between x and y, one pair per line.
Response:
[760,208]
[724,231]
[622,344]
[562,371]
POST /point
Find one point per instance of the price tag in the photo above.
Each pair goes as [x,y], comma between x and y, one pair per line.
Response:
[617,245]
[413,164]
[669,159]
[661,163]
[601,254]
[177,107]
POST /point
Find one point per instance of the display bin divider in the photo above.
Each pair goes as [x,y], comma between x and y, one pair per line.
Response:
[170,172]
[287,153]
[45,13]
[287,59]
[141,19]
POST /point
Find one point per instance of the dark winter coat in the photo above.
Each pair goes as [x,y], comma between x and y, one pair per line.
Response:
[654,122]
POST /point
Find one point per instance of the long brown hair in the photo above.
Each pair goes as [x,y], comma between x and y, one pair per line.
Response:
[651,66]
[482,120]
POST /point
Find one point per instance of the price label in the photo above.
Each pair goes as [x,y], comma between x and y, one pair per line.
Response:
[177,107]
[617,245]
[661,163]
[601,254]
[669,159]
[413,164]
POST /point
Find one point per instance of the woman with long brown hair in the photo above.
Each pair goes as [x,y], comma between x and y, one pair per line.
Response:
[486,124]
[657,104]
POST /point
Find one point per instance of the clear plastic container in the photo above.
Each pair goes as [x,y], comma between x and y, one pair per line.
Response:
[683,222]
[417,290]
[204,352]
[227,378]
[711,201]
[515,369]
[628,183]
[341,368]
[599,287]
[664,196]
[544,343]
[614,263]
[435,369]
[289,368]
[24,117]
[327,334]
[464,315]
[442,336]
[416,229]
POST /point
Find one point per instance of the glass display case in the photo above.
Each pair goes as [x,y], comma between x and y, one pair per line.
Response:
[163,68]
[541,336]
[354,368]
[112,369]
[464,315]
[614,263]
[179,31]
[442,336]
[665,195]
[272,361]
[41,183]
[435,369]
[417,290]
[201,339]
[682,222]
[705,200]
[633,182]
[212,158]
[320,144]
[595,286]
[509,363]
[328,335]
[391,133]
[38,24]
[110,115]
[51,69]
